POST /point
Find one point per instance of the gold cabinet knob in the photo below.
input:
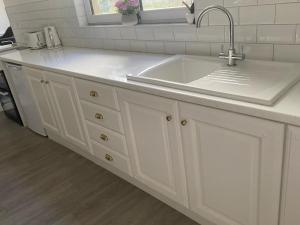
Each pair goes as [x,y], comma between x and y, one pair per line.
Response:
[183,122]
[42,81]
[169,118]
[99,116]
[104,137]
[47,82]
[109,157]
[93,94]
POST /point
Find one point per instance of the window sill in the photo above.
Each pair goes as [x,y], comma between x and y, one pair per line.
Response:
[151,25]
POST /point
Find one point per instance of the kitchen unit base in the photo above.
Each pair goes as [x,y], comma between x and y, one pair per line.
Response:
[150,138]
[112,169]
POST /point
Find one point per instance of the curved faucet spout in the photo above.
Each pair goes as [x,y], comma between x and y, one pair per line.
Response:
[232,56]
[226,12]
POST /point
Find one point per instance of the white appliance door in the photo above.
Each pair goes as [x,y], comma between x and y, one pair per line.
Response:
[33,119]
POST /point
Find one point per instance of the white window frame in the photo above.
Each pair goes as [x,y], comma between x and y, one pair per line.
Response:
[167,15]
[104,19]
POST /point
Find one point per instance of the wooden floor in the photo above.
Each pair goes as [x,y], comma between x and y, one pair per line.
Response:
[43,183]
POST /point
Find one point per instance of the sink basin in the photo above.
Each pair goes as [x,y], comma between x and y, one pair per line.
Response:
[260,82]
[181,69]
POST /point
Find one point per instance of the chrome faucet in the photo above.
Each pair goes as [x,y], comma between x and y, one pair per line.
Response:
[232,56]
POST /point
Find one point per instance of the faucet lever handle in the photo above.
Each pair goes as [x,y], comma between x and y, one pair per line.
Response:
[222,48]
[222,53]
[242,52]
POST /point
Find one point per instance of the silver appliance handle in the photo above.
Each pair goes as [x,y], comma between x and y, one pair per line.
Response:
[14,67]
[3,93]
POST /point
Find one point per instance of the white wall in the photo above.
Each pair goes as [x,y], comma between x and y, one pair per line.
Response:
[267,29]
[4,23]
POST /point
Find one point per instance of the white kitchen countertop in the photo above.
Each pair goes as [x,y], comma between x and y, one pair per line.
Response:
[4,49]
[111,67]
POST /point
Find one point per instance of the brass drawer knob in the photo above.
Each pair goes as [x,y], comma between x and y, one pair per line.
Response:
[104,137]
[109,157]
[46,82]
[93,94]
[99,116]
[169,118]
[42,81]
[184,122]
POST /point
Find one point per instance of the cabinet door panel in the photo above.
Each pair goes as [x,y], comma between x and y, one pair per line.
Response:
[154,143]
[39,93]
[291,184]
[62,91]
[233,166]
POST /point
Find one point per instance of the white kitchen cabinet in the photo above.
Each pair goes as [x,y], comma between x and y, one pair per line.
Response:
[39,91]
[152,133]
[223,166]
[58,106]
[62,91]
[291,183]
[233,165]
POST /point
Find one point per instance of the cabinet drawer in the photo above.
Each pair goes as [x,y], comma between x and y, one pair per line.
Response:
[97,93]
[112,158]
[109,138]
[103,116]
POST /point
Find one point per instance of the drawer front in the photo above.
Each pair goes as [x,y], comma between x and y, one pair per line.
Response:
[103,116]
[109,138]
[97,93]
[105,154]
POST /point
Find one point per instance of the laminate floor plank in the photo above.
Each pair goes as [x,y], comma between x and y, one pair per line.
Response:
[44,183]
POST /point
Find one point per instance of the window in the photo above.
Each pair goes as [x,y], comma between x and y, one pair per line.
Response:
[152,11]
[161,4]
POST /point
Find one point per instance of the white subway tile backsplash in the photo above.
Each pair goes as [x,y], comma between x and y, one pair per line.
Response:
[175,47]
[245,33]
[258,51]
[262,14]
[298,34]
[201,4]
[74,42]
[288,13]
[85,32]
[138,46]
[290,53]
[211,34]
[276,34]
[143,33]
[219,18]
[268,29]
[99,33]
[195,48]
[109,44]
[94,43]
[232,3]
[155,47]
[128,33]
[113,33]
[123,45]
[285,1]
[187,33]
[163,33]
[217,48]
[265,2]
